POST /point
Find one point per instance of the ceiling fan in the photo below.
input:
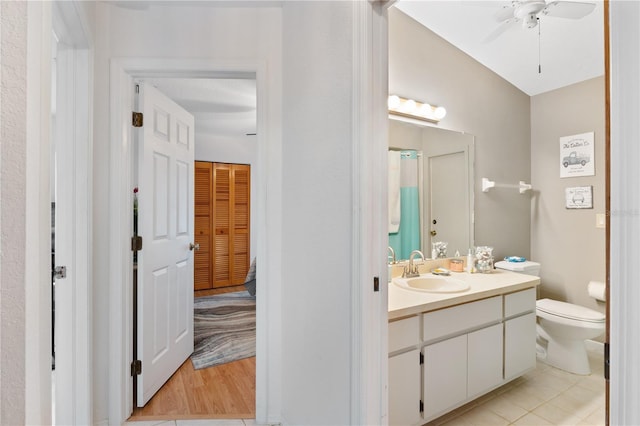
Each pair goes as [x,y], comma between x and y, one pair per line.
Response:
[528,12]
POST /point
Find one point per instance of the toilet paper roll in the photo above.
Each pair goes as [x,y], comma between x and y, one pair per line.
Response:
[597,290]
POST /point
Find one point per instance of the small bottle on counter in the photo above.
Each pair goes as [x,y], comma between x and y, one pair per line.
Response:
[470,262]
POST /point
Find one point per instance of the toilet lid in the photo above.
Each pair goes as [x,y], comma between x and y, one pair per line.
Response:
[569,310]
[526,266]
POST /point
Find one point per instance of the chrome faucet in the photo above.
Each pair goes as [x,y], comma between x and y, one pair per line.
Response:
[411,270]
[393,255]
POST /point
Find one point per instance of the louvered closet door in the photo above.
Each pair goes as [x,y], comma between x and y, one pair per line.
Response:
[203,217]
[240,221]
[221,224]
[231,187]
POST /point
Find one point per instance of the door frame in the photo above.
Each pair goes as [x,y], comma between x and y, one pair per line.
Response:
[123,72]
[369,310]
[74,125]
[73,328]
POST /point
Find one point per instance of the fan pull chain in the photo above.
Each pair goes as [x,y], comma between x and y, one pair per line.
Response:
[539,48]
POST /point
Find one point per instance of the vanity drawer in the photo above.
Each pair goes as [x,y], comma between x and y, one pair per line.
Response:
[460,318]
[404,333]
[519,302]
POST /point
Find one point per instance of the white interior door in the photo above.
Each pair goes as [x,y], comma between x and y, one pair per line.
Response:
[165,263]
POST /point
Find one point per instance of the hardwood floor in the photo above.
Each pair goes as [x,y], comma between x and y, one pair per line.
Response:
[225,391]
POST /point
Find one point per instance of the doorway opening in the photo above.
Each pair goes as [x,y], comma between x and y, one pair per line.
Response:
[225,115]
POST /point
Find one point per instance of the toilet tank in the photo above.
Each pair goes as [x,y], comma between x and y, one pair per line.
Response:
[527,267]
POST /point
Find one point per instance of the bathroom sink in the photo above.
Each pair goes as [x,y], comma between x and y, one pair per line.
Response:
[432,284]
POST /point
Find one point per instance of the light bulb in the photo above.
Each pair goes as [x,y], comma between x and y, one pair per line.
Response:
[409,106]
[393,102]
[440,112]
[426,110]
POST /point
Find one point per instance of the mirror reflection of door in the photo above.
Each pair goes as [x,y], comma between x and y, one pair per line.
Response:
[448,189]
[447,201]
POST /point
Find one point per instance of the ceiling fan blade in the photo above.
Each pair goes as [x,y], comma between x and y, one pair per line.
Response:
[505,13]
[501,29]
[568,9]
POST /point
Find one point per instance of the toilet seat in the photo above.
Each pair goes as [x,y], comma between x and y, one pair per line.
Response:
[569,311]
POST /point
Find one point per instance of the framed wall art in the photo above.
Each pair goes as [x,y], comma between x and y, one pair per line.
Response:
[576,155]
[579,197]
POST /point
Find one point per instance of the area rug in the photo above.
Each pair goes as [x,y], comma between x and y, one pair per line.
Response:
[224,329]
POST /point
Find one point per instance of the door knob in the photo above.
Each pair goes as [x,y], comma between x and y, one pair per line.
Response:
[194,246]
[433,233]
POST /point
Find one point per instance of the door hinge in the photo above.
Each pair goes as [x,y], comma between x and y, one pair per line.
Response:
[421,358]
[376,284]
[136,243]
[136,368]
[60,272]
[606,361]
[421,406]
[137,119]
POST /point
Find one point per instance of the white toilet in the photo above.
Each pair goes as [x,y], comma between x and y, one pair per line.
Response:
[564,326]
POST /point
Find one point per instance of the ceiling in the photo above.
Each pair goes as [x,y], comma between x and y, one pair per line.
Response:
[571,50]
[224,108]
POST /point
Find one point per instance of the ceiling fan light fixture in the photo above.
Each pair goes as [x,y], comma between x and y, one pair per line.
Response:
[530,21]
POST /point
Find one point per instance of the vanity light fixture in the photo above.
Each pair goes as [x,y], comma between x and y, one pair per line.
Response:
[413,109]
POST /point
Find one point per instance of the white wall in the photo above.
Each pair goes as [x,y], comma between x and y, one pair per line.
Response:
[424,67]
[13,179]
[316,221]
[238,151]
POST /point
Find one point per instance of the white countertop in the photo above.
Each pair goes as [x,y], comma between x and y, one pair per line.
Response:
[403,302]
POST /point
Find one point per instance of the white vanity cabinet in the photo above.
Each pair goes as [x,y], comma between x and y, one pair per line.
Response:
[404,388]
[460,368]
[404,371]
[445,375]
[484,362]
[466,358]
[519,333]
[467,350]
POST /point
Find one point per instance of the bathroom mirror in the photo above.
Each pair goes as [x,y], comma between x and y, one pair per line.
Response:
[440,165]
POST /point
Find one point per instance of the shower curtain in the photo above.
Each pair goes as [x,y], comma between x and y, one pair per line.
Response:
[406,237]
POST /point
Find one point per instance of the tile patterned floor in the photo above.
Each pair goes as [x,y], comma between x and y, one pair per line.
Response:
[545,396]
